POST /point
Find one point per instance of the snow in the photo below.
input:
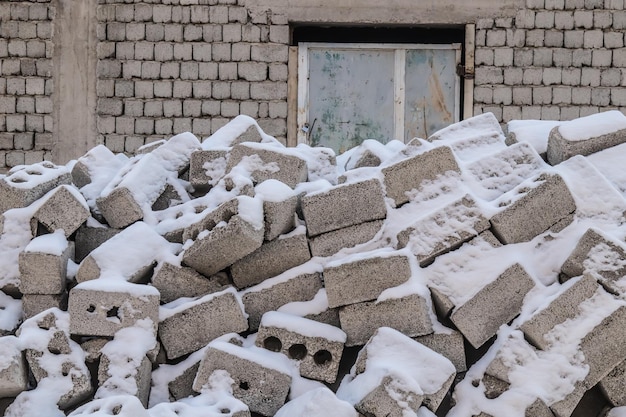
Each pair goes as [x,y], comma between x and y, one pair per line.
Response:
[52,244]
[182,304]
[305,327]
[320,402]
[535,132]
[316,305]
[10,313]
[593,126]
[273,191]
[27,177]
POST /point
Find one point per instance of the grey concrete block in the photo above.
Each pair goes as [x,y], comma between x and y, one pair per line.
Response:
[410,315]
[14,377]
[391,398]
[81,171]
[350,281]
[174,281]
[269,162]
[449,345]
[190,326]
[494,305]
[24,185]
[206,167]
[613,385]
[329,243]
[264,390]
[568,139]
[563,307]
[33,304]
[408,174]
[140,374]
[269,260]
[291,286]
[90,236]
[102,307]
[433,235]
[279,207]
[64,209]
[316,347]
[532,208]
[227,243]
[331,210]
[42,272]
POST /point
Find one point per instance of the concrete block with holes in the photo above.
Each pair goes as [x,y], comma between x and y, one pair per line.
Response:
[25,185]
[362,277]
[101,307]
[334,209]
[261,385]
[262,162]
[279,207]
[408,174]
[537,205]
[301,284]
[63,208]
[187,327]
[230,232]
[329,243]
[316,347]
[586,135]
[269,260]
[175,281]
[445,230]
[14,377]
[43,265]
[206,167]
[409,314]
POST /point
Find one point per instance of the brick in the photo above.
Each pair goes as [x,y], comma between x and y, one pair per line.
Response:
[253,71]
[207,70]
[489,75]
[564,20]
[583,19]
[554,39]
[535,37]
[203,52]
[183,51]
[525,19]
[231,33]
[544,19]
[220,52]
[271,53]
[503,57]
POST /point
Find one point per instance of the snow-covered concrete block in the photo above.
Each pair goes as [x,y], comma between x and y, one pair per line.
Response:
[241,129]
[403,368]
[270,259]
[33,304]
[63,208]
[613,385]
[320,402]
[408,174]
[535,132]
[481,125]
[362,277]
[13,369]
[132,253]
[586,135]
[449,344]
[262,162]
[329,243]
[502,171]
[261,384]
[535,206]
[279,207]
[316,347]
[392,397]
[314,309]
[123,405]
[492,306]
[333,209]
[25,184]
[89,165]
[230,232]
[175,281]
[443,231]
[206,167]
[173,194]
[89,236]
[409,315]
[561,308]
[189,326]
[299,284]
[142,180]
[103,306]
[43,264]
[11,309]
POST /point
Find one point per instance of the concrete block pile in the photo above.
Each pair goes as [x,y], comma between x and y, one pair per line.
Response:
[462,275]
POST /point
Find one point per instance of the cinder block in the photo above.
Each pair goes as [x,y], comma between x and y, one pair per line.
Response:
[563,307]
[122,200]
[410,315]
[329,243]
[449,345]
[269,260]
[494,305]
[408,174]
[91,161]
[110,384]
[175,281]
[262,162]
[90,236]
[535,206]
[119,404]
[14,377]
[331,210]
[64,209]
[135,266]
[187,327]
[393,396]
[316,347]
[43,265]
[314,309]
[613,385]
[206,167]
[101,307]
[33,304]
[317,402]
[24,185]
[301,284]
[364,276]
[263,389]
[279,207]
[443,231]
[577,138]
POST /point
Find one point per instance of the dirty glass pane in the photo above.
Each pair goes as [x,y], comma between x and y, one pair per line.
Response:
[430,85]
[350,97]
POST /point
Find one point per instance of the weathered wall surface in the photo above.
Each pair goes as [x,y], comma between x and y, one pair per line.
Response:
[124,73]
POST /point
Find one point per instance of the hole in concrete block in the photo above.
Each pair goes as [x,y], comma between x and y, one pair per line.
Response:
[65,373]
[273,343]
[33,173]
[297,351]
[322,357]
[475,383]
[116,410]
[91,308]
[17,180]
[54,350]
[244,385]
[225,411]
[48,164]
[113,313]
